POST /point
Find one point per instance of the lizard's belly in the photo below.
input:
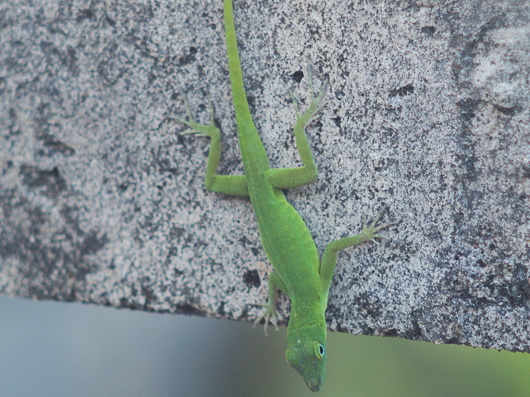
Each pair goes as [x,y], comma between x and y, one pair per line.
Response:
[286,240]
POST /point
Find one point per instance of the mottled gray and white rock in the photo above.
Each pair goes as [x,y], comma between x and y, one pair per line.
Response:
[102,200]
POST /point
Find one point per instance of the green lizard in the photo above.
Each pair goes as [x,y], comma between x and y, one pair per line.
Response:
[298,271]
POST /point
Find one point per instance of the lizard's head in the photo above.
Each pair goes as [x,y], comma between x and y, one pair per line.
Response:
[307,354]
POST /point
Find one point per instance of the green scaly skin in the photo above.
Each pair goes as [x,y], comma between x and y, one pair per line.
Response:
[299,272]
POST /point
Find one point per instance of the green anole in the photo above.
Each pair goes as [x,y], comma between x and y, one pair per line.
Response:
[299,272]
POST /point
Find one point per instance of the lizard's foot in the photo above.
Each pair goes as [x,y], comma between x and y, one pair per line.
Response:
[369,233]
[269,314]
[209,130]
[317,101]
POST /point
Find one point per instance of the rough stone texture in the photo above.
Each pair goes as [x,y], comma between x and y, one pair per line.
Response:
[102,201]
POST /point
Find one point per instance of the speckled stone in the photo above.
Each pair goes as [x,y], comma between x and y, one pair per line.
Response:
[428,115]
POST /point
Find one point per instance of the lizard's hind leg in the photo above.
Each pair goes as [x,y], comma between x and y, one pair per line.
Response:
[288,178]
[235,185]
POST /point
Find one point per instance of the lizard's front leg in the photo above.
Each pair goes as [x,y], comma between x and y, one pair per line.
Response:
[270,312]
[329,259]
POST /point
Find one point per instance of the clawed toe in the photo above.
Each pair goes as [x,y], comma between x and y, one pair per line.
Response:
[317,101]
[269,315]
[370,231]
[206,130]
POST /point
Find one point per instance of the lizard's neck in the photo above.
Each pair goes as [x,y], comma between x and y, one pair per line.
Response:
[304,325]
[307,312]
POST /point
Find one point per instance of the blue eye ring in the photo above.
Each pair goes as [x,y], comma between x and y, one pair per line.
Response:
[319,351]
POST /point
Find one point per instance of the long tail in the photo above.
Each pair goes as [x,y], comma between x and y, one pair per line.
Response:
[236,75]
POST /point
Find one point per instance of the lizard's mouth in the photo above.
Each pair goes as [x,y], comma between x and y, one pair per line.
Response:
[314,386]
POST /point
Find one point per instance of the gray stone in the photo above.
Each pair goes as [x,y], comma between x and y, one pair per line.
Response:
[102,199]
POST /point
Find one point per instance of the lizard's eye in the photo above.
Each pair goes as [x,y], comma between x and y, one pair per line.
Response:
[319,351]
